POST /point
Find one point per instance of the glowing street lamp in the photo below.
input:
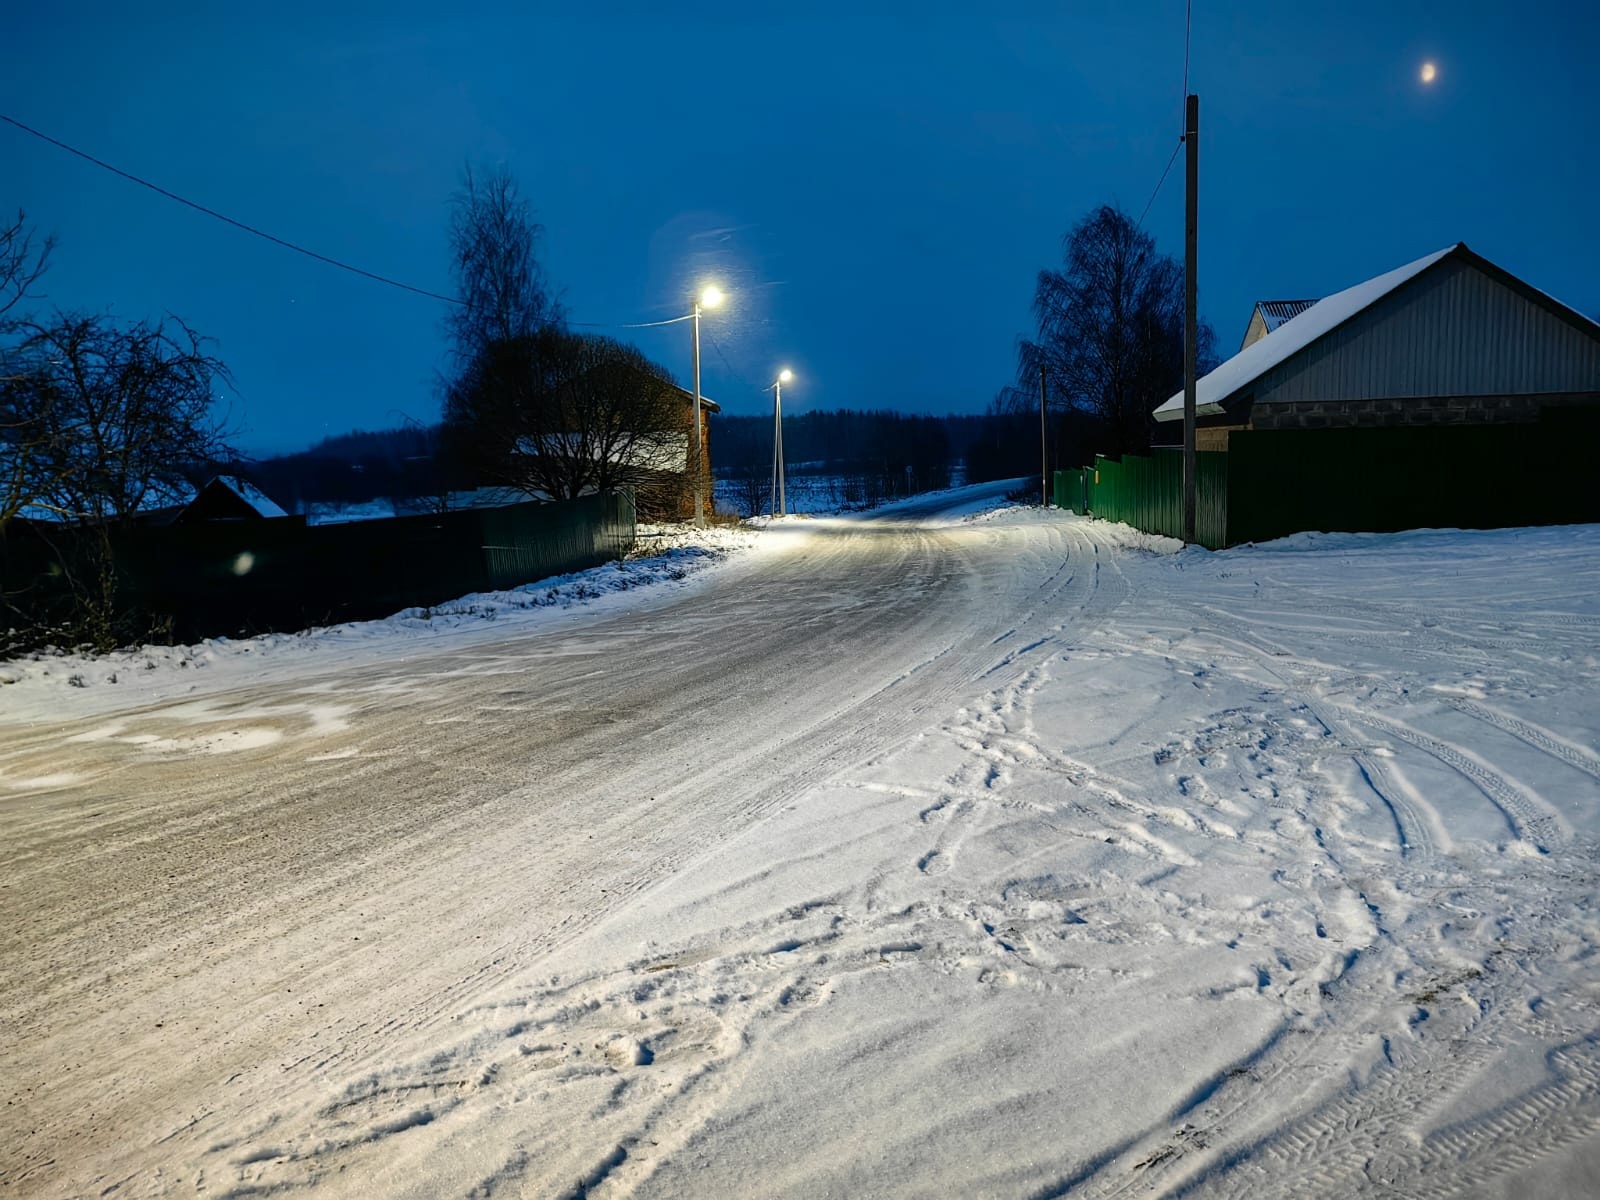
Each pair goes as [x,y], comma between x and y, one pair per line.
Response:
[709,297]
[779,503]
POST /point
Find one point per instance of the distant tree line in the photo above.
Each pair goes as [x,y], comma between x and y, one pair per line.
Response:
[402,464]
[885,454]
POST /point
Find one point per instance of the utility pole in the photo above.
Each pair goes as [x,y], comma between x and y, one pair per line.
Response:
[1191,159]
[1044,452]
[777,410]
[696,463]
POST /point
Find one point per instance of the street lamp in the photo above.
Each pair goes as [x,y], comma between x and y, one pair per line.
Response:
[708,298]
[778,505]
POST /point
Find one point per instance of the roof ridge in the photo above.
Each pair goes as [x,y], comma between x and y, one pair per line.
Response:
[1288,339]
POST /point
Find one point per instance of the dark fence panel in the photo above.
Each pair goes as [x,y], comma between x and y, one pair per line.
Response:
[228,578]
[1382,480]
[1270,483]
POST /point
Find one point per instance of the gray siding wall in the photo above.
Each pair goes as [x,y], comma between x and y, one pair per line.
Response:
[1453,332]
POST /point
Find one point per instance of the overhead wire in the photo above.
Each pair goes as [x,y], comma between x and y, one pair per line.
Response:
[227,220]
[1139,224]
[1188,22]
[732,370]
[1183,122]
[327,259]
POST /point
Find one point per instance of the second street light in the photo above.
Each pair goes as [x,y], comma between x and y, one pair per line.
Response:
[779,505]
[709,298]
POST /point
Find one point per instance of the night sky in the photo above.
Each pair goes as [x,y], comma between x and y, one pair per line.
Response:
[875,191]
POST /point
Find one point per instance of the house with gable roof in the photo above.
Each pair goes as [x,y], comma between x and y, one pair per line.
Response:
[229,498]
[1450,339]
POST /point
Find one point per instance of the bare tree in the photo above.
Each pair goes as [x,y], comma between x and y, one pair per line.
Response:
[1110,329]
[493,246]
[749,487]
[559,415]
[115,413]
[24,258]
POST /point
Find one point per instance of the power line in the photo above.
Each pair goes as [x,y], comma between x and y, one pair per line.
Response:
[1183,101]
[1139,224]
[288,245]
[227,220]
[1188,20]
[734,371]
[643,324]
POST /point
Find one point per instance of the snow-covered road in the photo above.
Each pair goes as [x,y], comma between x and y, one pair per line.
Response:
[930,853]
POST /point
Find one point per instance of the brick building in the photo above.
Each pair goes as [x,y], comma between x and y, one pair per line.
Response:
[1450,339]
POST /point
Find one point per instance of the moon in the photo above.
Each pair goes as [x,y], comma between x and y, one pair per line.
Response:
[1428,72]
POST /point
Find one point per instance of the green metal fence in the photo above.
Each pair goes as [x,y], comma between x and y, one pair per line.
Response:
[1380,480]
[1069,493]
[1147,493]
[1270,483]
[231,577]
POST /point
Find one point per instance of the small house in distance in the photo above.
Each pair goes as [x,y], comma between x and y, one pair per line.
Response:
[663,466]
[229,498]
[1450,339]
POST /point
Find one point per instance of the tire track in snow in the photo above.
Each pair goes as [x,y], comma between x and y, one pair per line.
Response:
[1531,819]
[1305,683]
[1535,735]
[817,753]
[1254,1095]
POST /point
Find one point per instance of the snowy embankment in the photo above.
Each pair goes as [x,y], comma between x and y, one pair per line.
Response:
[666,559]
[995,853]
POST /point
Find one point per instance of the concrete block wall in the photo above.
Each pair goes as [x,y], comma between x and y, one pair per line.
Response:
[1410,410]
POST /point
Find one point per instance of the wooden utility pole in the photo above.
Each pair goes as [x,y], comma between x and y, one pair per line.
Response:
[1044,452]
[1191,159]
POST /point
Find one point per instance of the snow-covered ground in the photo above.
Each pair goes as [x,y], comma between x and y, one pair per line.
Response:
[676,556]
[948,851]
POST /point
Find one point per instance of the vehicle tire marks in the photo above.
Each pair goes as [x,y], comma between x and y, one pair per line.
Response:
[1531,819]
[1534,735]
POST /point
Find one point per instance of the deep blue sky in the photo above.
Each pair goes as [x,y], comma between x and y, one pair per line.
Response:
[875,190]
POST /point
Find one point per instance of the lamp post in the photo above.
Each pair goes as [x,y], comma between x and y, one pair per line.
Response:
[709,298]
[779,503]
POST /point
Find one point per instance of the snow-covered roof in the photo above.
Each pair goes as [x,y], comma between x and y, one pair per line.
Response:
[1279,312]
[706,402]
[251,495]
[1294,335]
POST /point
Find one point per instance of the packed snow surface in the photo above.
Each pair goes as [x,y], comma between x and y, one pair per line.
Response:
[953,850]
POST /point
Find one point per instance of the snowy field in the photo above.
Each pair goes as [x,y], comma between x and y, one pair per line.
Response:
[950,850]
[805,493]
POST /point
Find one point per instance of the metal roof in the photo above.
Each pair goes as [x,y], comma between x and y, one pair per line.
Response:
[1276,312]
[1323,318]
